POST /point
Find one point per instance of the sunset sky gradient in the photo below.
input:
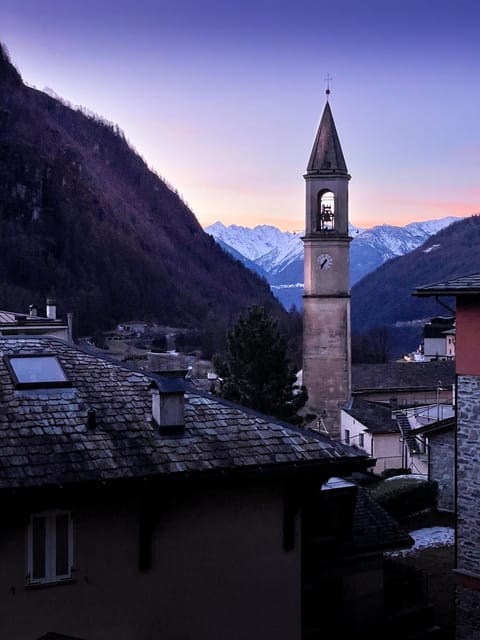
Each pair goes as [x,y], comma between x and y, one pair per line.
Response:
[223,98]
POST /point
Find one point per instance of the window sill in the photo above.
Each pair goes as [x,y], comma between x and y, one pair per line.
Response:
[45,585]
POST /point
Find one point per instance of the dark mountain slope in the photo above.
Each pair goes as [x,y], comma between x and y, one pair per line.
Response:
[81,214]
[384,297]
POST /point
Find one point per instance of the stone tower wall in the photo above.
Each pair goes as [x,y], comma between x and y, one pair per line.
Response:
[326,358]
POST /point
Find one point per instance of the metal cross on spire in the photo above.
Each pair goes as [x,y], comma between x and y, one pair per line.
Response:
[327,80]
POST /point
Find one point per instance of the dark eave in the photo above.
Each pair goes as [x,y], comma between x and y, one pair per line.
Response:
[465,285]
[436,427]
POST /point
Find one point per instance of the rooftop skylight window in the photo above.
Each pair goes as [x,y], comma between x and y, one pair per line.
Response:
[37,371]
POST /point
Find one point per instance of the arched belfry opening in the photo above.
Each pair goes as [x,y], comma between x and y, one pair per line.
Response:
[325,211]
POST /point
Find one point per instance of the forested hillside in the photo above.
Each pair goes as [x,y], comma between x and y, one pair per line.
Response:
[384,298]
[82,215]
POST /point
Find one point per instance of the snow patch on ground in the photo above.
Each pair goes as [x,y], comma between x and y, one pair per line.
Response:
[428,537]
[408,476]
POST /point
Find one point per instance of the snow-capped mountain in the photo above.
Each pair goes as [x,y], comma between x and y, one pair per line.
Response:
[278,255]
[265,245]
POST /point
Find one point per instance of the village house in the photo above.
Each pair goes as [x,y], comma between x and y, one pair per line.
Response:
[31,323]
[465,291]
[391,406]
[438,339]
[373,427]
[137,508]
[418,439]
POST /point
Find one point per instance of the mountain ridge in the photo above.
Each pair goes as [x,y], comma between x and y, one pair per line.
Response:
[384,298]
[81,214]
[279,254]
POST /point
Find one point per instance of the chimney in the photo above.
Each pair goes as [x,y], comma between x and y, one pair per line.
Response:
[51,308]
[32,311]
[168,403]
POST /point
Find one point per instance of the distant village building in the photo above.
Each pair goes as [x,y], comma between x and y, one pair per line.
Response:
[439,339]
[418,438]
[31,323]
[373,427]
[136,327]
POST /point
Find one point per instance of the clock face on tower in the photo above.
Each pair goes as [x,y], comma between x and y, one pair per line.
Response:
[324,261]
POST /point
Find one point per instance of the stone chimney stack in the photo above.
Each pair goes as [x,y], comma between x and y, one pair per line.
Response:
[168,404]
[51,308]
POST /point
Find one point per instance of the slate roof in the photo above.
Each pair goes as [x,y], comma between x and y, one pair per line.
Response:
[398,376]
[45,438]
[327,154]
[469,284]
[51,635]
[377,418]
[374,528]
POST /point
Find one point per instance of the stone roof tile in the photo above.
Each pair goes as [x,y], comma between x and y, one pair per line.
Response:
[377,418]
[374,528]
[464,285]
[396,376]
[45,439]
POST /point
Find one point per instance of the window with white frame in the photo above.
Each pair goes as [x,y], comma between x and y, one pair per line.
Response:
[347,436]
[361,440]
[49,547]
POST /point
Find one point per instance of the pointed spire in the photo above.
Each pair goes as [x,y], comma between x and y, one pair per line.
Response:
[327,155]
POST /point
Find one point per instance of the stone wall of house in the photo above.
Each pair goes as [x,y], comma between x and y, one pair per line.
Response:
[442,468]
[468,507]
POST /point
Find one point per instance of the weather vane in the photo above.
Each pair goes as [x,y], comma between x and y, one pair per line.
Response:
[327,80]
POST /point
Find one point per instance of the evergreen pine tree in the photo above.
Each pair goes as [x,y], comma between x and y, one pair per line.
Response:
[255,371]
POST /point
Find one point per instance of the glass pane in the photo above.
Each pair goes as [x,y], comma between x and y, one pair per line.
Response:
[61,548]
[38,548]
[38,369]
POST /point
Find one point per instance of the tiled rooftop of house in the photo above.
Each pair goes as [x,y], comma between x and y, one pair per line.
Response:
[469,284]
[374,528]
[46,436]
[377,418]
[402,375]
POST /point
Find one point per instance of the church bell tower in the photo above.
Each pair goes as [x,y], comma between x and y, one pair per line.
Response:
[326,299]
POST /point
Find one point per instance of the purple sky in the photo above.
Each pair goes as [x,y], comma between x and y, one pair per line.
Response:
[223,98]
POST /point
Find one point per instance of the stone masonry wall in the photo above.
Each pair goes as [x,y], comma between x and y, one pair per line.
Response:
[442,468]
[468,506]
